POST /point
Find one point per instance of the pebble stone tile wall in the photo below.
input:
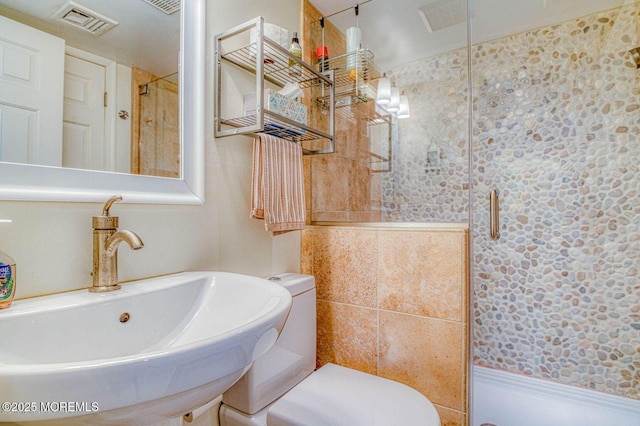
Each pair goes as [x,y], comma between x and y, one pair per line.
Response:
[416,189]
[556,125]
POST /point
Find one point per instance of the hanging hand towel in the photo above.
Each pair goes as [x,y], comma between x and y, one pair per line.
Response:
[277,185]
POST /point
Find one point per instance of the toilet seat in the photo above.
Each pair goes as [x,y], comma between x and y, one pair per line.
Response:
[336,396]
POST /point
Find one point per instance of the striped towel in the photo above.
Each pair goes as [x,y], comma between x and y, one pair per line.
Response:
[277,185]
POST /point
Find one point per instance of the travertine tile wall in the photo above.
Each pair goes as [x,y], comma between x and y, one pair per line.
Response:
[344,187]
[158,149]
[155,133]
[393,302]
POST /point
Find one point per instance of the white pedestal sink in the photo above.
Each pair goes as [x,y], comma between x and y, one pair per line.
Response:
[154,350]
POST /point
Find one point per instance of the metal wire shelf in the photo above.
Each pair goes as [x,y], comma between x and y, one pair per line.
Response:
[280,67]
[268,62]
[352,71]
[279,126]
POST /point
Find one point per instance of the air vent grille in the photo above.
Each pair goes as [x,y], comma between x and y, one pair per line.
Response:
[167,6]
[443,14]
[84,18]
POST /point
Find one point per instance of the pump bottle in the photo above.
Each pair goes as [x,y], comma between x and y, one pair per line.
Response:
[7,279]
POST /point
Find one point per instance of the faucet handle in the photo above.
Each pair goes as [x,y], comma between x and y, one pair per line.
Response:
[110,201]
[106,221]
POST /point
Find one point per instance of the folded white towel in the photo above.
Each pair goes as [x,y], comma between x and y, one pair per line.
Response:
[277,185]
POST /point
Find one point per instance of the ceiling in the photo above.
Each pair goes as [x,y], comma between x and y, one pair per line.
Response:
[396,33]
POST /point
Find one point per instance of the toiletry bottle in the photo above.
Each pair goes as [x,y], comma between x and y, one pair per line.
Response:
[295,50]
[353,36]
[7,279]
[322,54]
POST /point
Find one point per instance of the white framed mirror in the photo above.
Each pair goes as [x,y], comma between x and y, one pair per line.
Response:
[50,183]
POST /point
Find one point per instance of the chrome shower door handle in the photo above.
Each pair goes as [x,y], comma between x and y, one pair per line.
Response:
[494,214]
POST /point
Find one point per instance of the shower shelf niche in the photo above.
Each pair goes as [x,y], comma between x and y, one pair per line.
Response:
[266,64]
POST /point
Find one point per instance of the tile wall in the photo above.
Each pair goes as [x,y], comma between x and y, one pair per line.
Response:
[556,130]
[344,185]
[392,302]
[429,177]
[156,136]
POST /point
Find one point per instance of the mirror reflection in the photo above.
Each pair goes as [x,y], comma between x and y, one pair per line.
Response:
[91,85]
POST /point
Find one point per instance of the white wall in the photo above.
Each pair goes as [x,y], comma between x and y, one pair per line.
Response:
[52,242]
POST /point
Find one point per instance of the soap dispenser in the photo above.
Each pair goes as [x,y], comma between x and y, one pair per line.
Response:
[7,279]
[296,51]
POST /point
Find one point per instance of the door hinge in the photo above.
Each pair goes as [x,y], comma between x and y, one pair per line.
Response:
[106,96]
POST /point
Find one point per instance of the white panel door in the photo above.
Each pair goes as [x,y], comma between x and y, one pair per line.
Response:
[31,84]
[84,121]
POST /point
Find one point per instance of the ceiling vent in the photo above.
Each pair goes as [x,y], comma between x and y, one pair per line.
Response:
[443,14]
[84,18]
[167,6]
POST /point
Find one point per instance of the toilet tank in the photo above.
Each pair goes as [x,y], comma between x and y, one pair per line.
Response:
[290,360]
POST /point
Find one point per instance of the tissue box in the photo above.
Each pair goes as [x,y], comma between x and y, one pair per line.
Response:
[277,103]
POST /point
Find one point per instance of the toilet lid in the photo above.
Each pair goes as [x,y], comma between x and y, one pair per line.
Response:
[335,395]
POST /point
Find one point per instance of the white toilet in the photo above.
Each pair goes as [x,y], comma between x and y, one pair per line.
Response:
[281,388]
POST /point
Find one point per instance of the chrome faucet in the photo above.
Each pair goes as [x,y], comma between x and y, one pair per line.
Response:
[106,239]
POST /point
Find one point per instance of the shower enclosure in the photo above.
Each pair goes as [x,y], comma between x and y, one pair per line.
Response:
[539,104]
[156,147]
[555,130]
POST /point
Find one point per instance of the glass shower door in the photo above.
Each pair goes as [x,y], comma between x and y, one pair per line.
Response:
[556,123]
[158,148]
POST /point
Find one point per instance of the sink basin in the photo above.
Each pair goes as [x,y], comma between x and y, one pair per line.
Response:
[153,350]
